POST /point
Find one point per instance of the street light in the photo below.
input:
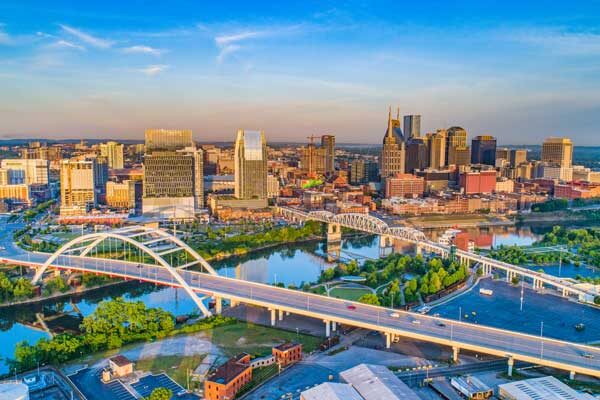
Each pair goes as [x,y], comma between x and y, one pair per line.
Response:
[542,339]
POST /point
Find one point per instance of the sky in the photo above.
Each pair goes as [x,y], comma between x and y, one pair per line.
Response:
[518,70]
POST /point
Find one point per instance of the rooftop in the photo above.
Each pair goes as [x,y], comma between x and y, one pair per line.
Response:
[544,388]
[375,382]
[286,346]
[230,370]
[120,360]
[331,391]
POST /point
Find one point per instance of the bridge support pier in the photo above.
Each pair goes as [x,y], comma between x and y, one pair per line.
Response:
[565,293]
[327,328]
[511,363]
[233,303]
[388,340]
[218,305]
[571,375]
[280,315]
[273,316]
[418,249]
[333,326]
[334,233]
[455,351]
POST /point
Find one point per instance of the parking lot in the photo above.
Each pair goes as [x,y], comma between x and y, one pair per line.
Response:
[502,310]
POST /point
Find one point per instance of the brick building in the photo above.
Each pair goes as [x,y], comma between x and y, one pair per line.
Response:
[478,182]
[287,353]
[404,185]
[224,382]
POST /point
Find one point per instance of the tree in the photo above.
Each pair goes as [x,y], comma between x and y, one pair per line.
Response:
[369,298]
[160,393]
[23,288]
[515,280]
[597,300]
[6,287]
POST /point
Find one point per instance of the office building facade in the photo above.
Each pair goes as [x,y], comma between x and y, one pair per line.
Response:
[412,126]
[328,144]
[77,186]
[483,150]
[558,151]
[250,165]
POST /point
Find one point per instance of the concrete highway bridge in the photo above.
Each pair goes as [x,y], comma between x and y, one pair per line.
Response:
[152,255]
[376,226]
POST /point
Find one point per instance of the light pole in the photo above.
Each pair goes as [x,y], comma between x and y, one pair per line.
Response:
[522,292]
[542,339]
[459,314]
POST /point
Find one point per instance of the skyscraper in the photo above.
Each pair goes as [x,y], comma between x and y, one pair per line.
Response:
[456,138]
[417,154]
[168,139]
[250,165]
[173,175]
[113,152]
[328,143]
[483,150]
[393,153]
[517,157]
[313,159]
[437,149]
[559,151]
[412,126]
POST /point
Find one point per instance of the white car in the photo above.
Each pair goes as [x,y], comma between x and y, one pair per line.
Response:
[395,315]
[416,322]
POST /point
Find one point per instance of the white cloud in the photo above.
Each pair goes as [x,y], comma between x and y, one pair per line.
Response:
[143,50]
[152,70]
[229,43]
[227,51]
[65,44]
[87,38]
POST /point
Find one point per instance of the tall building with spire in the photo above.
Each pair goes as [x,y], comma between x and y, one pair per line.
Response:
[393,153]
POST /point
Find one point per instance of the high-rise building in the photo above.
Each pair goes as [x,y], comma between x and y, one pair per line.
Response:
[168,139]
[393,153]
[173,175]
[417,154]
[517,157]
[503,152]
[412,126]
[363,171]
[437,149]
[77,186]
[313,159]
[26,171]
[559,151]
[113,152]
[483,150]
[122,195]
[328,143]
[456,138]
[250,165]
[272,186]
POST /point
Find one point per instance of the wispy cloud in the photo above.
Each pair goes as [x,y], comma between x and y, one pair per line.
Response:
[87,38]
[143,50]
[65,44]
[559,41]
[153,70]
[230,43]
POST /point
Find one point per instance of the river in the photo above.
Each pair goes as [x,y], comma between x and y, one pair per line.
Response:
[290,264]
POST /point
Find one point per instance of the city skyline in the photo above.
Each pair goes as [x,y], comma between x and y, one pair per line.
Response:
[112,71]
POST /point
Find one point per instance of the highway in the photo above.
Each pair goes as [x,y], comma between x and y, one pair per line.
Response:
[502,343]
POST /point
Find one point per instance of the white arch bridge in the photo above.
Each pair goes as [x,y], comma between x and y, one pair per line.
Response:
[152,255]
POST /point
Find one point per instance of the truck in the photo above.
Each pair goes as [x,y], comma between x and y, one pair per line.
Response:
[487,292]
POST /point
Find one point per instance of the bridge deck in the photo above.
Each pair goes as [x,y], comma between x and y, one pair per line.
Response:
[502,343]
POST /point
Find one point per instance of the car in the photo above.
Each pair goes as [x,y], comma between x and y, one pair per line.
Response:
[440,324]
[587,355]
[395,315]
[416,322]
[351,307]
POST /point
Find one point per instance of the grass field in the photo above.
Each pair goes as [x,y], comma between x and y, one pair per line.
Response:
[175,366]
[255,339]
[348,293]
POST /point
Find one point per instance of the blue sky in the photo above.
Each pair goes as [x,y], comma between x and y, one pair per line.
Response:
[111,69]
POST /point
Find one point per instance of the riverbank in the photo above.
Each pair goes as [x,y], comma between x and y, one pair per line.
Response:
[458,221]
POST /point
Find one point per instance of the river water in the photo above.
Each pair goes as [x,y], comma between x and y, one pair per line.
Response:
[290,264]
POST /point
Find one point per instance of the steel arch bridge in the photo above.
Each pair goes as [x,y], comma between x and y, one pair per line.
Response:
[362,222]
[138,245]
